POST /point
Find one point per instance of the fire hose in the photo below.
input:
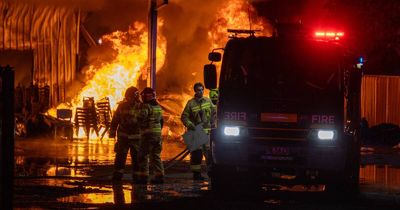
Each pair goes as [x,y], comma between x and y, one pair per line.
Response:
[176,159]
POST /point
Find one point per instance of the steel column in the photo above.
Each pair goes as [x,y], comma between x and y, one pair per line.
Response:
[7,138]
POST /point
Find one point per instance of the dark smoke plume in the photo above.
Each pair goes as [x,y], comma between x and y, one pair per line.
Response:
[186,28]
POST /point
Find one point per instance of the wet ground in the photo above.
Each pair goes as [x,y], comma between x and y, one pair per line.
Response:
[64,174]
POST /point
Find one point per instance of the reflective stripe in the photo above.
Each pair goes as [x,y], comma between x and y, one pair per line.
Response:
[156,130]
[157,109]
[207,130]
[159,174]
[135,136]
[141,174]
[120,171]
[130,112]
[195,167]
[129,136]
[198,112]
[155,118]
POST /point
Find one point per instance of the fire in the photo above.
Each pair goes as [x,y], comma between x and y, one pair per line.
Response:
[111,79]
[236,14]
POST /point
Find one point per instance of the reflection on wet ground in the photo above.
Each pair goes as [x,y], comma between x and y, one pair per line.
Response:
[380,169]
[58,157]
[121,193]
[384,178]
[79,171]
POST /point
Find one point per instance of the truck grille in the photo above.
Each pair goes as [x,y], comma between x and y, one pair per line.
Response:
[284,134]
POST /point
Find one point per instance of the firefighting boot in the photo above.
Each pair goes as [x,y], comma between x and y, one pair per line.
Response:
[197,176]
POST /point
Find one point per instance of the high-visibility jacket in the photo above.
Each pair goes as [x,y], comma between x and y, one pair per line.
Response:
[127,120]
[199,110]
[214,94]
[155,121]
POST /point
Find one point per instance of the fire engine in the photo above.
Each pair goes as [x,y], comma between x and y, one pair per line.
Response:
[288,112]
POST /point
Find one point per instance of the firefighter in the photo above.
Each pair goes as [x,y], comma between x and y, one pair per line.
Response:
[126,125]
[151,144]
[213,94]
[198,110]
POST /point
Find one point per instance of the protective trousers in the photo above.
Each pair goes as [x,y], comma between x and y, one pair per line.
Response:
[196,157]
[150,152]
[123,146]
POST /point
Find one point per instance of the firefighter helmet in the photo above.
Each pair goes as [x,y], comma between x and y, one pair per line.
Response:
[198,89]
[214,94]
[198,84]
[131,93]
[148,94]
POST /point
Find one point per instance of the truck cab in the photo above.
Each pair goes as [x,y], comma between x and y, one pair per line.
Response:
[288,112]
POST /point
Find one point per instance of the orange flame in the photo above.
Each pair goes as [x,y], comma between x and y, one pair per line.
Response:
[236,14]
[111,79]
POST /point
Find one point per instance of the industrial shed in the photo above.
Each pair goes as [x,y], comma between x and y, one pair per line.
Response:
[42,44]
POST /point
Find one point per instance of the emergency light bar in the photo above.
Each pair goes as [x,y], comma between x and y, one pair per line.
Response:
[328,35]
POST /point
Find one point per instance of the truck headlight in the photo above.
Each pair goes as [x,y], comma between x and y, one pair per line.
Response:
[323,134]
[326,134]
[231,130]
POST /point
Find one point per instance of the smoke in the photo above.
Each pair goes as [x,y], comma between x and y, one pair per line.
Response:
[116,15]
[86,5]
[309,12]
[100,16]
[186,28]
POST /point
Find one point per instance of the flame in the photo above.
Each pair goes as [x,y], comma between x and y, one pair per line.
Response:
[112,78]
[236,14]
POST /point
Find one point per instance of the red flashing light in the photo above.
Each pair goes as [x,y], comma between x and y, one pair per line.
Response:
[329,35]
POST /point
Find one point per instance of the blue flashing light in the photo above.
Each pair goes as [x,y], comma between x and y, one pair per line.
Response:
[360,63]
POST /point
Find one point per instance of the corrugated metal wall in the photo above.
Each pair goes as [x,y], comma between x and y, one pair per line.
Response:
[51,32]
[380,99]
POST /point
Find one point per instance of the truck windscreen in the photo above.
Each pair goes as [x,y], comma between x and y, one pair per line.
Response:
[275,69]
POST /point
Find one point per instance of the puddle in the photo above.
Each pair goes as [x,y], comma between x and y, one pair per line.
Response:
[77,158]
[380,177]
[131,193]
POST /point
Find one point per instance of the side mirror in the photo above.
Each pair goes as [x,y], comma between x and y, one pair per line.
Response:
[355,79]
[214,56]
[210,76]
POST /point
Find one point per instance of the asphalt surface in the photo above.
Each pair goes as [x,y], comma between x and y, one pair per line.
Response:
[59,174]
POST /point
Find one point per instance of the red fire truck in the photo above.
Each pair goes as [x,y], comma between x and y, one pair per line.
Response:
[288,112]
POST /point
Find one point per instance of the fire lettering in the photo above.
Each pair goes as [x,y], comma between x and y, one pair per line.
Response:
[235,116]
[323,119]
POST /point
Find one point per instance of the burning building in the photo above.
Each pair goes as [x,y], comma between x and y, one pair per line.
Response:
[67,51]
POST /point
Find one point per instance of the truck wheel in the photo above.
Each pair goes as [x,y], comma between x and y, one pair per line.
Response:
[230,183]
[348,185]
[218,182]
[346,189]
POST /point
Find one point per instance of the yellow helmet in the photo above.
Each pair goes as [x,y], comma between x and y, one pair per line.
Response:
[214,94]
[131,93]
